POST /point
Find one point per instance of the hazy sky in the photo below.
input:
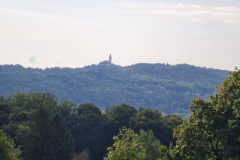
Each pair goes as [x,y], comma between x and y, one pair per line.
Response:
[75,33]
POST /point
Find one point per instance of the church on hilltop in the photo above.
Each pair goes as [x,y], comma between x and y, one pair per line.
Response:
[107,62]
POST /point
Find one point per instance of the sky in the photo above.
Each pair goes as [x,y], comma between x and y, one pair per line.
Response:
[77,33]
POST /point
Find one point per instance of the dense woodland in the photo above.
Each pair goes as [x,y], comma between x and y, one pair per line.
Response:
[170,88]
[35,126]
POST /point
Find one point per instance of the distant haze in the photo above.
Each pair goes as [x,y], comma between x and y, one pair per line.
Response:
[43,33]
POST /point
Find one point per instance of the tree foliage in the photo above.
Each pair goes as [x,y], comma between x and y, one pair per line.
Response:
[44,129]
[120,115]
[49,138]
[37,128]
[8,150]
[149,119]
[213,130]
[86,128]
[129,145]
[170,88]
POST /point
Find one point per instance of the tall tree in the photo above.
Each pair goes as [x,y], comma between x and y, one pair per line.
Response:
[119,116]
[126,146]
[129,145]
[5,111]
[150,119]
[66,108]
[49,138]
[23,106]
[213,130]
[86,127]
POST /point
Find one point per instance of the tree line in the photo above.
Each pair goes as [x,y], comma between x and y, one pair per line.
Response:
[42,129]
[35,126]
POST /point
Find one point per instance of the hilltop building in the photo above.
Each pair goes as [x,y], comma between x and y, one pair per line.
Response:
[107,62]
[110,58]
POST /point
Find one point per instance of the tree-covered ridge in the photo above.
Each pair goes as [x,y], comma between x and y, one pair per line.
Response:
[35,126]
[170,88]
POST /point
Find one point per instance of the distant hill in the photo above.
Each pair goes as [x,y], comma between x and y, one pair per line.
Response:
[170,88]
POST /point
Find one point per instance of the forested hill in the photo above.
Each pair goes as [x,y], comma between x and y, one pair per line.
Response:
[170,88]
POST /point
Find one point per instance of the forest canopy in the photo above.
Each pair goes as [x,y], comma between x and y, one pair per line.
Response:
[36,126]
[169,88]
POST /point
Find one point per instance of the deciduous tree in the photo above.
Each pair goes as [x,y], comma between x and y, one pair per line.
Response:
[129,145]
[8,150]
[213,130]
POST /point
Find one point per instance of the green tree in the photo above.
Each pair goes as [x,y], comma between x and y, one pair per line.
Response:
[116,117]
[65,109]
[151,144]
[5,111]
[119,116]
[22,107]
[8,150]
[150,119]
[129,145]
[175,120]
[213,130]
[86,128]
[49,138]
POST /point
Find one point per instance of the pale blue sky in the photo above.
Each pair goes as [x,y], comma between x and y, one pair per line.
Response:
[75,33]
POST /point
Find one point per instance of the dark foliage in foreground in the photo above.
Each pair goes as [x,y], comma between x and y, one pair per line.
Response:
[46,130]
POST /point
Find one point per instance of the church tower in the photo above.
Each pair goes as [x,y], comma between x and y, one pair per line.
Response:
[110,58]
